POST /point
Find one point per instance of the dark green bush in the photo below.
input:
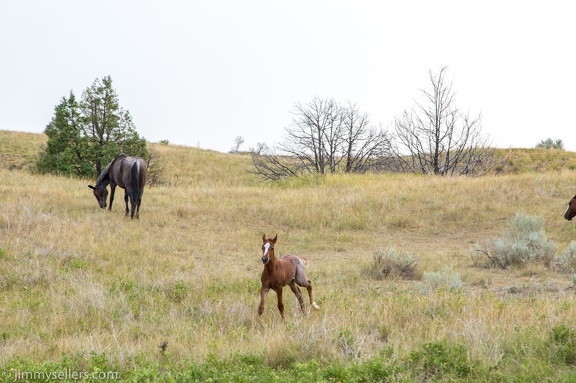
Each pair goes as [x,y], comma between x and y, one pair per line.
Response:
[562,345]
[438,359]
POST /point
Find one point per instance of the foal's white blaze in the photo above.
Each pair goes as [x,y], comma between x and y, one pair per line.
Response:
[266,248]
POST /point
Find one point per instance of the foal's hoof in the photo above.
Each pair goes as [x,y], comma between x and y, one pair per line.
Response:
[315,306]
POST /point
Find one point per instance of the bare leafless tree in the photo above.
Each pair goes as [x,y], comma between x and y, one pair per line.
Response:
[314,134]
[437,138]
[155,167]
[363,146]
[272,166]
[324,137]
[238,141]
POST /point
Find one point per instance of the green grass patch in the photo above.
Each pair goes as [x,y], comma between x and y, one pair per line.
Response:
[438,361]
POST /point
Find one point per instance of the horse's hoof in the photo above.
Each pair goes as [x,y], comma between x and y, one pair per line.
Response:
[315,306]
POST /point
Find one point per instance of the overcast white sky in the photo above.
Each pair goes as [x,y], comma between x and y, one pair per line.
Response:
[201,73]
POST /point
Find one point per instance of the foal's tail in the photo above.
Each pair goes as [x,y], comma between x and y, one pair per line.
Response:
[305,261]
[136,182]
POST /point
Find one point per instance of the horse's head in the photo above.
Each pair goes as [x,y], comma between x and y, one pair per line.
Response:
[101,194]
[268,248]
[571,211]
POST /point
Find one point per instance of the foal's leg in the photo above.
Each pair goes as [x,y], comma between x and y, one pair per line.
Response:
[302,281]
[263,294]
[309,288]
[280,302]
[298,294]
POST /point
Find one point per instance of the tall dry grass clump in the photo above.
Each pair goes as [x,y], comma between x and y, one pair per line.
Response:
[393,264]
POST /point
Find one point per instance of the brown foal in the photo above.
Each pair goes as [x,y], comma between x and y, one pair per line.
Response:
[279,272]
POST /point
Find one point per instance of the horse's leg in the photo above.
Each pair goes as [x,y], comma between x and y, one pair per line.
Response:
[138,208]
[134,204]
[280,302]
[301,280]
[126,202]
[309,288]
[112,190]
[298,294]
[263,294]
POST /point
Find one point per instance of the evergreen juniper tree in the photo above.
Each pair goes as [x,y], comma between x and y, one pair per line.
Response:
[67,149]
[84,136]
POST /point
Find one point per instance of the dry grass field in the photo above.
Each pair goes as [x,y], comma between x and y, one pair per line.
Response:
[78,280]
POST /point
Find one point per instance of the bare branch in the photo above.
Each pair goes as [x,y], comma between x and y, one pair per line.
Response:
[437,138]
[325,137]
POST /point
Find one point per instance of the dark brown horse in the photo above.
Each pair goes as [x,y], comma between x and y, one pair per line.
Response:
[279,272]
[571,211]
[127,172]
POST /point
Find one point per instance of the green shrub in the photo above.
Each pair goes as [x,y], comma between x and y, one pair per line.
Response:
[525,242]
[550,144]
[562,345]
[439,360]
[177,292]
[348,344]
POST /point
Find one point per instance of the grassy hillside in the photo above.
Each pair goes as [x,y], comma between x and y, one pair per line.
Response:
[89,289]
[19,150]
[534,160]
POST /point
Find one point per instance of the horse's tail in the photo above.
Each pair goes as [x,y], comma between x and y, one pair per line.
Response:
[305,261]
[136,181]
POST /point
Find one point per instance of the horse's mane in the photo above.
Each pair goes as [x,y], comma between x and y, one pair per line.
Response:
[104,176]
